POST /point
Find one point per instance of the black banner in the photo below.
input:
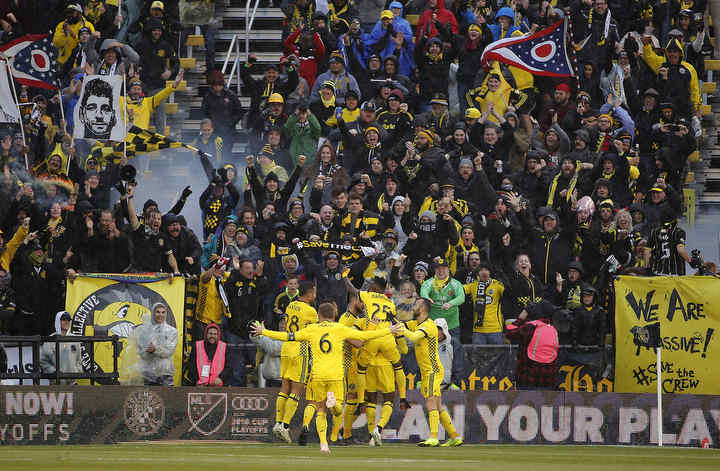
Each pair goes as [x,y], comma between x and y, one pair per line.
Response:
[109,414]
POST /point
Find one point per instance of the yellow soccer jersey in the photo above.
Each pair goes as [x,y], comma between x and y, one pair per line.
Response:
[300,315]
[426,350]
[326,341]
[350,353]
[378,307]
[492,320]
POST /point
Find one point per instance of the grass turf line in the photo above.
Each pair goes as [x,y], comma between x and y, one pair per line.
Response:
[395,457]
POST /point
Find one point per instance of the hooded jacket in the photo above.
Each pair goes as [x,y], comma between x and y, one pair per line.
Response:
[682,86]
[426,26]
[210,351]
[159,363]
[496,29]
[69,354]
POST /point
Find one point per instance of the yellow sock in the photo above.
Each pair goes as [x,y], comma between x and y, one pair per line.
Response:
[349,418]
[291,406]
[447,424]
[321,425]
[309,414]
[335,430]
[280,406]
[360,383]
[400,380]
[336,410]
[434,419]
[370,414]
[385,414]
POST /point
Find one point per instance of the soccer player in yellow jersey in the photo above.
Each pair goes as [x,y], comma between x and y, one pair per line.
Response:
[425,338]
[380,381]
[326,340]
[380,312]
[294,360]
[351,318]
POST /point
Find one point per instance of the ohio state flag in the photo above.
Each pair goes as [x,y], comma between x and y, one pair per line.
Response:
[33,60]
[542,53]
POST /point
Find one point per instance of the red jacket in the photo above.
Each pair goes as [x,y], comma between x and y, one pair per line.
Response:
[308,64]
[443,16]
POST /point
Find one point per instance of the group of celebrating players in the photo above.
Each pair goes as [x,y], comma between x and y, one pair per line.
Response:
[344,364]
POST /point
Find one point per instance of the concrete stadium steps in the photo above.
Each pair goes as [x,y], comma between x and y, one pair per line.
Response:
[265,42]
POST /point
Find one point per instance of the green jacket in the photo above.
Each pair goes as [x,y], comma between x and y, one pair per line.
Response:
[453,293]
[303,140]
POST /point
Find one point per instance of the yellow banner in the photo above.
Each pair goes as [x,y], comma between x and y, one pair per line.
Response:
[688,310]
[114,304]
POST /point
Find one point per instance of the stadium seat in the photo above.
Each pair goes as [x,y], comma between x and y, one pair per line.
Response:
[171,108]
[712,64]
[195,40]
[694,157]
[182,86]
[690,178]
[706,110]
[412,19]
[187,62]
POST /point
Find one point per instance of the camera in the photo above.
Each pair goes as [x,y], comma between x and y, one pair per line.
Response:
[673,127]
[696,260]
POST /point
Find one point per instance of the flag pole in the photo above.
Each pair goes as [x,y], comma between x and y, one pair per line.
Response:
[658,367]
[125,99]
[22,128]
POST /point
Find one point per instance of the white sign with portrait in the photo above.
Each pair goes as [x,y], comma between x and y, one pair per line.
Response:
[97,114]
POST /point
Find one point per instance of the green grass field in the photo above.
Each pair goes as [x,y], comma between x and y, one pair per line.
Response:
[265,457]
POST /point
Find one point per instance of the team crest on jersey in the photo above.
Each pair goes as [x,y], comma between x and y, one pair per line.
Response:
[338,276]
[491,291]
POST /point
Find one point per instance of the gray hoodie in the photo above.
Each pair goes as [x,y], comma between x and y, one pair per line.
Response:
[271,364]
[69,354]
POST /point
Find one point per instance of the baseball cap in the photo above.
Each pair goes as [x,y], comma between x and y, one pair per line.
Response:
[390,234]
[441,263]
[368,106]
[386,14]
[157,4]
[276,98]
[74,6]
[472,113]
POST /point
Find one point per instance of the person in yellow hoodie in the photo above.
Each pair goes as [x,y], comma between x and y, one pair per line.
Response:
[140,107]
[66,32]
[677,79]
[7,251]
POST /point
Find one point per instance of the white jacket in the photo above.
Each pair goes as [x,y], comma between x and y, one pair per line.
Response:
[69,354]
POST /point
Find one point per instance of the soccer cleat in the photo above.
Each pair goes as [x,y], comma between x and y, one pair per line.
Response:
[457,441]
[371,442]
[324,448]
[376,436]
[302,439]
[330,401]
[284,434]
[430,442]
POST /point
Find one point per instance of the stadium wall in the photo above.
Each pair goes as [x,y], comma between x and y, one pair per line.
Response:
[80,415]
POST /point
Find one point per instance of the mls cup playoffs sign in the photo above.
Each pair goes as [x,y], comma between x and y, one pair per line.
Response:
[109,414]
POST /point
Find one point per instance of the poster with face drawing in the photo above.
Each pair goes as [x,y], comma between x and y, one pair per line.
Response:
[97,114]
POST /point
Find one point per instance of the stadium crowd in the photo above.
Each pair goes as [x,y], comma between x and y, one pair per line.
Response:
[380,155]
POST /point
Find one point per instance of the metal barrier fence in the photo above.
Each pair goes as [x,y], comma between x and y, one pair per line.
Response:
[35,374]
